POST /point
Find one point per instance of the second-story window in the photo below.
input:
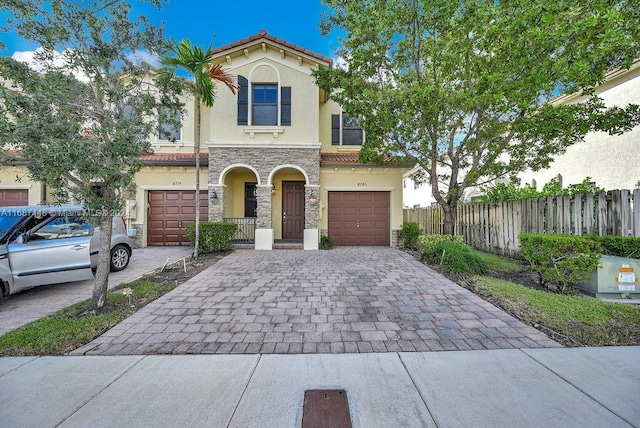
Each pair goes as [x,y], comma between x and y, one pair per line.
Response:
[169,125]
[346,130]
[265,104]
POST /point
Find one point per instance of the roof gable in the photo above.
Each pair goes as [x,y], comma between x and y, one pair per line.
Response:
[265,41]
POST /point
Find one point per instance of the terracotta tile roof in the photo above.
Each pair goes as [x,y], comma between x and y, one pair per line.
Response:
[263,35]
[178,159]
[351,158]
[12,157]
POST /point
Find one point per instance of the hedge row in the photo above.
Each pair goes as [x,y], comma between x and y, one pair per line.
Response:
[563,260]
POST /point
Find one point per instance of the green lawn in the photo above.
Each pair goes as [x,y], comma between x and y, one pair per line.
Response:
[74,326]
[584,320]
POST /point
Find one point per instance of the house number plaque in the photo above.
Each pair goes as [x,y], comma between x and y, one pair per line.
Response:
[362,184]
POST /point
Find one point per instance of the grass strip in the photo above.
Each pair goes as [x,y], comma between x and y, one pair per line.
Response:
[497,263]
[74,326]
[586,321]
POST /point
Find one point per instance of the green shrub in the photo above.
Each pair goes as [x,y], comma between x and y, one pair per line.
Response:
[562,260]
[621,246]
[455,258]
[410,233]
[213,236]
[429,240]
[325,243]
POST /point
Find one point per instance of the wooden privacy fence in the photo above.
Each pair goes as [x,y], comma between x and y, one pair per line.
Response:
[495,226]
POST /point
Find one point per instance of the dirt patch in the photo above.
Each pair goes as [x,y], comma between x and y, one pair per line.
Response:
[175,273]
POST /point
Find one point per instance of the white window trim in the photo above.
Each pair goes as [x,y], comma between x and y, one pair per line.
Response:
[250,92]
[274,131]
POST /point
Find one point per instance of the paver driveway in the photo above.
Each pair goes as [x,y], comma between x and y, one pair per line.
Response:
[290,301]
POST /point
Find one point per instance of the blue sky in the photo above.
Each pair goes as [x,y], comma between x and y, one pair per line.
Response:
[204,21]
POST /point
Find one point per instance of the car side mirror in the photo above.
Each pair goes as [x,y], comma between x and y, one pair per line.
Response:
[22,238]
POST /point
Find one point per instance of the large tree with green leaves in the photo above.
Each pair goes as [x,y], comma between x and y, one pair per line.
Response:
[198,63]
[463,86]
[82,121]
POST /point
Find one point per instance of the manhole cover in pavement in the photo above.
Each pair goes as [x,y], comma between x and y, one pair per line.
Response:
[326,408]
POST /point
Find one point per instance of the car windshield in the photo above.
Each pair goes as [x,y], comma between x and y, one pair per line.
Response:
[7,222]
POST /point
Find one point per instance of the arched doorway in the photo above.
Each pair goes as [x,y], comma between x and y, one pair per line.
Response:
[240,202]
[288,203]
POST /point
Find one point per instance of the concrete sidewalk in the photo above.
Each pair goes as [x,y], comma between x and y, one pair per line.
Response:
[576,387]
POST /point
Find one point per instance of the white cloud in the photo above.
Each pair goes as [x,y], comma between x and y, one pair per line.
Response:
[39,60]
[341,63]
[140,56]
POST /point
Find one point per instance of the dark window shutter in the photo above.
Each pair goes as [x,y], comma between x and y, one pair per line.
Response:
[243,100]
[335,129]
[285,106]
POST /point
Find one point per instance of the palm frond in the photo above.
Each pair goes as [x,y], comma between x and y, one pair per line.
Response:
[198,62]
[219,74]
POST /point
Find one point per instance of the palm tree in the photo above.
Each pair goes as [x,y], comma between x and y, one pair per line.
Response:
[198,62]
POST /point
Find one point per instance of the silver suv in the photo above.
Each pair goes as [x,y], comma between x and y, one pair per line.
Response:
[53,244]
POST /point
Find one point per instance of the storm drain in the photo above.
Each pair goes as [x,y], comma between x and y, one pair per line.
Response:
[326,408]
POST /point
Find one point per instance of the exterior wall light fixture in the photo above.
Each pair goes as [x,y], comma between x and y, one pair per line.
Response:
[213,196]
[313,197]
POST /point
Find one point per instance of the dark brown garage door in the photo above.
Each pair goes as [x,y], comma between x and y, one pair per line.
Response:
[14,197]
[359,218]
[169,213]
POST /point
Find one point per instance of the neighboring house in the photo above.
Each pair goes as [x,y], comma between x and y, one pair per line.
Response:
[612,161]
[419,194]
[416,194]
[280,160]
[15,186]
[17,189]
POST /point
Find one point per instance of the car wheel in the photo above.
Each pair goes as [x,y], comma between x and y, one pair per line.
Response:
[120,256]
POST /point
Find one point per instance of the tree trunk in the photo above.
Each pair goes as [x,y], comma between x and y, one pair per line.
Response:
[196,245]
[450,210]
[99,295]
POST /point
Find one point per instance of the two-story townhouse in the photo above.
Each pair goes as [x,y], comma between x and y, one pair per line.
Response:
[15,186]
[612,161]
[281,160]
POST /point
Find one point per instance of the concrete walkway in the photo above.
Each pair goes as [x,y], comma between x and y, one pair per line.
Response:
[577,387]
[33,304]
[348,300]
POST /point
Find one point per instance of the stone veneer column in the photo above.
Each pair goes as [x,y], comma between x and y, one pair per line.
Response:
[264,228]
[216,211]
[311,216]
[311,209]
[263,195]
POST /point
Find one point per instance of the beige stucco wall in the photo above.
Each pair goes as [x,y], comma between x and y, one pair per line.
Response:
[268,67]
[187,132]
[613,162]
[326,110]
[363,178]
[234,192]
[16,177]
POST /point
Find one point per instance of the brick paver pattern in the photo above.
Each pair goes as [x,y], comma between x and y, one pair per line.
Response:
[346,300]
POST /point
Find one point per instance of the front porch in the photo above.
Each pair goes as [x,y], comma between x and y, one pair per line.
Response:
[279,212]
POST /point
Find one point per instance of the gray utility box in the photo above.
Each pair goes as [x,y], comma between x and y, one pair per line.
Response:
[615,278]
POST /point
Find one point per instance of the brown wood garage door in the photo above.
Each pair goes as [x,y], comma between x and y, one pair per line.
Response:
[169,213]
[14,197]
[359,218]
